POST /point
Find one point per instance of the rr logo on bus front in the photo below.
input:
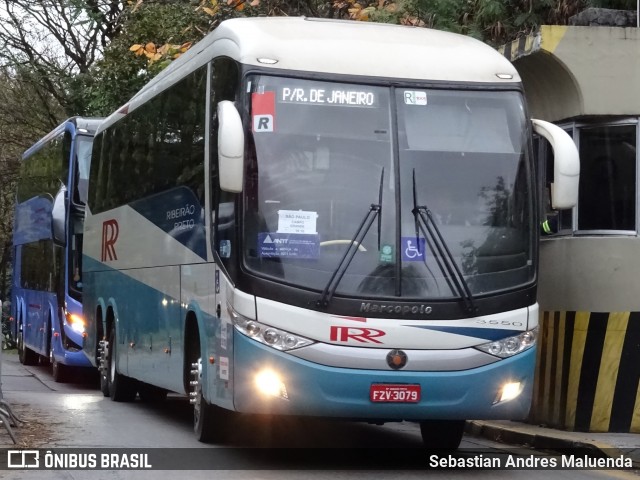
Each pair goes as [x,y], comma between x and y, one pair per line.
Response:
[362,335]
[110,232]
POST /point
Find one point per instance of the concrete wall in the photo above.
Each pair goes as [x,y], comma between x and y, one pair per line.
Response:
[579,71]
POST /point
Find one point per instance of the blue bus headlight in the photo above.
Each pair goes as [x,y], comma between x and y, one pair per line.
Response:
[273,337]
[510,346]
[75,321]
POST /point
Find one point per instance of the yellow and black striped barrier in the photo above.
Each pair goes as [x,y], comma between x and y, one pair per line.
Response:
[588,372]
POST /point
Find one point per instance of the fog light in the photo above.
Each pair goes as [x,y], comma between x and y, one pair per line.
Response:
[268,383]
[509,391]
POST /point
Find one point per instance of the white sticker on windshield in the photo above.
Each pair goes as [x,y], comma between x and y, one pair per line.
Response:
[297,221]
[412,97]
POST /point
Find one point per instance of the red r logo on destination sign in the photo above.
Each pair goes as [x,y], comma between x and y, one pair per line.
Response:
[110,232]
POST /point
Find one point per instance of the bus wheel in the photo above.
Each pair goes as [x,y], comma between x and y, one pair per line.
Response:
[25,354]
[47,358]
[59,371]
[121,388]
[210,422]
[103,366]
[151,393]
[442,434]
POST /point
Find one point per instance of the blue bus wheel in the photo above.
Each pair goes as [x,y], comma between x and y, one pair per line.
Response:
[58,371]
[25,354]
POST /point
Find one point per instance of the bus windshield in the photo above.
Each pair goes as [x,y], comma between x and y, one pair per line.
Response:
[322,154]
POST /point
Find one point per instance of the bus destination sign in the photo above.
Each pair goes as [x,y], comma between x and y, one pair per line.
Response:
[329,96]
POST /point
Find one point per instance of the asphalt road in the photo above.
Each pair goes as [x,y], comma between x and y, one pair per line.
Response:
[75,415]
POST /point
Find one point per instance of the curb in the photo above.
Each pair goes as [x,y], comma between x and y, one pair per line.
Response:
[521,436]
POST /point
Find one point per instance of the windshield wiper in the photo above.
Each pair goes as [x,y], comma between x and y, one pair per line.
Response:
[354,244]
[430,229]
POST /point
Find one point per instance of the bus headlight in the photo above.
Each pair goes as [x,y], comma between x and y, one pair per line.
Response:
[75,321]
[273,337]
[510,346]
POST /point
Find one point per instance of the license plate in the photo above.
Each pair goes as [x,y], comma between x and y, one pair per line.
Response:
[394,393]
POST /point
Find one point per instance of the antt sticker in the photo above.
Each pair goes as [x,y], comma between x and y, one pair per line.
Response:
[263,109]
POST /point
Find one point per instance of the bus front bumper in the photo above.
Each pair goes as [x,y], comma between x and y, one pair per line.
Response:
[311,389]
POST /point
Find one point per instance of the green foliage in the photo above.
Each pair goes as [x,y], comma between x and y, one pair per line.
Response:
[441,14]
[155,23]
[493,21]
[120,74]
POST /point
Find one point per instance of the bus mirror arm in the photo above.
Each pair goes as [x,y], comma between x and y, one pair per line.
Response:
[230,147]
[59,217]
[566,165]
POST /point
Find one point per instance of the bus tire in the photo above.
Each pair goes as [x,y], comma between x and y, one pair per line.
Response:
[58,371]
[121,388]
[103,368]
[25,354]
[47,358]
[442,434]
[210,422]
[104,384]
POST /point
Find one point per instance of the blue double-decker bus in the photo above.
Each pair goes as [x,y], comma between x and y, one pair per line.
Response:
[47,248]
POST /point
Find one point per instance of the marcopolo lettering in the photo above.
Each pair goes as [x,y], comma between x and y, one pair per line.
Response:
[370,307]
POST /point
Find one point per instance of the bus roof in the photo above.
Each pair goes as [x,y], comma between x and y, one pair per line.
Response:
[338,47]
[84,125]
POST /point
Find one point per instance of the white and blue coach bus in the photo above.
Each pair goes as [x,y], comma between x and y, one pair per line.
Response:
[278,227]
[46,291]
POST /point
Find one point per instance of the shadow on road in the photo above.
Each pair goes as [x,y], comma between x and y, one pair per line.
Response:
[262,431]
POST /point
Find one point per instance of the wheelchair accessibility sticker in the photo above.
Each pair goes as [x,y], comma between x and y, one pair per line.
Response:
[413,249]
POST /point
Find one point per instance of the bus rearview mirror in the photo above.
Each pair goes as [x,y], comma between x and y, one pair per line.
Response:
[230,147]
[566,165]
[59,217]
